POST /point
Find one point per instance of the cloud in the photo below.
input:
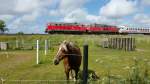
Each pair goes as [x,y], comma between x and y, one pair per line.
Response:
[6,6]
[77,15]
[29,15]
[67,6]
[81,15]
[28,20]
[22,14]
[23,6]
[32,17]
[145,2]
[6,18]
[142,19]
[118,8]
[54,13]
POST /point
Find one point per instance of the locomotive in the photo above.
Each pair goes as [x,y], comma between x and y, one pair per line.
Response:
[78,28]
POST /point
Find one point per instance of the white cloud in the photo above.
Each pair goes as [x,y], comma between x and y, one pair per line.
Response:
[28,15]
[15,24]
[6,18]
[145,2]
[77,15]
[81,15]
[6,6]
[66,6]
[54,13]
[142,19]
[27,19]
[28,12]
[22,14]
[23,6]
[92,18]
[31,17]
[118,8]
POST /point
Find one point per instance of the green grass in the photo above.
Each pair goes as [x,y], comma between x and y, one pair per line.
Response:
[21,64]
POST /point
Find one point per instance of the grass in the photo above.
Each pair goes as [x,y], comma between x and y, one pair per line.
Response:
[21,64]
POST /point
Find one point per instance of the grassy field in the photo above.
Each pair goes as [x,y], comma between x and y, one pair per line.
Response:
[21,64]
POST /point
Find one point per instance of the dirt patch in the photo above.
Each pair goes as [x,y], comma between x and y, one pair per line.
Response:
[15,59]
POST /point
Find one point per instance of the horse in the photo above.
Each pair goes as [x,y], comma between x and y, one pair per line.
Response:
[70,53]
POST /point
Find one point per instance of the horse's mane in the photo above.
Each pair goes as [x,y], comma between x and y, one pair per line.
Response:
[70,44]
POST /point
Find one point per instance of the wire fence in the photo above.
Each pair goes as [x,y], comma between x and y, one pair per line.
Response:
[134,77]
[31,44]
[106,80]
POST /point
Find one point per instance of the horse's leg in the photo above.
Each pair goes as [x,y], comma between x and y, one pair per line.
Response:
[76,73]
[67,73]
[71,74]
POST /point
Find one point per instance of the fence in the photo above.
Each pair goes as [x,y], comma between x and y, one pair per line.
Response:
[127,44]
[4,46]
[107,80]
[23,45]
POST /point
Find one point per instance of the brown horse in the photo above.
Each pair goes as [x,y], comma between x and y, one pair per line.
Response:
[71,54]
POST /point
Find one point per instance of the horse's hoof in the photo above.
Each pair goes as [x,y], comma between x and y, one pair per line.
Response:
[70,77]
[74,79]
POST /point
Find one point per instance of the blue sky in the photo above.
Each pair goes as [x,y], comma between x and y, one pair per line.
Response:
[31,16]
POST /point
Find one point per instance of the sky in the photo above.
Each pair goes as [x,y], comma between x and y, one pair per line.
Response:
[32,16]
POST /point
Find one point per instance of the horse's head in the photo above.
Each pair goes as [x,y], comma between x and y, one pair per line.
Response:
[62,51]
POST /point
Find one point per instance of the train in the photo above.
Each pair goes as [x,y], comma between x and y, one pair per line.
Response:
[80,28]
[134,30]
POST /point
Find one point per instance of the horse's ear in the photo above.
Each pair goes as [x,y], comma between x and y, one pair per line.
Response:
[70,45]
[64,41]
[65,47]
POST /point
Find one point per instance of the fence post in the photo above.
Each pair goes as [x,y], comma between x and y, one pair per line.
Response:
[17,44]
[37,52]
[134,44]
[46,47]
[85,64]
[22,43]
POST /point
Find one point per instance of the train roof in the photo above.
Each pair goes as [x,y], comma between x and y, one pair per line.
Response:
[88,24]
[133,27]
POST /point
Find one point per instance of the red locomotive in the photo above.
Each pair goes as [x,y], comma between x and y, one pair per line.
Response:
[78,28]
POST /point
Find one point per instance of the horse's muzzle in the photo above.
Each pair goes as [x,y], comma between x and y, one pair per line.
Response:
[56,61]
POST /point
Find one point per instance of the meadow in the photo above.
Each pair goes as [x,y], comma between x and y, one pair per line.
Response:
[107,63]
